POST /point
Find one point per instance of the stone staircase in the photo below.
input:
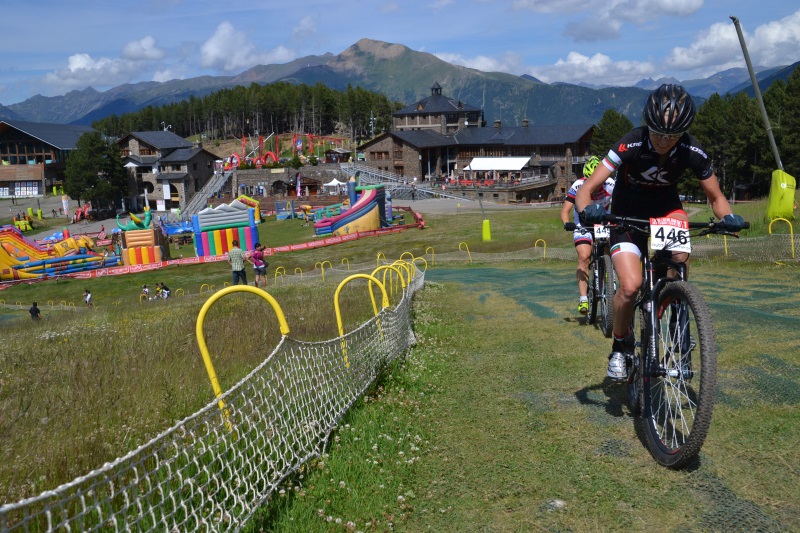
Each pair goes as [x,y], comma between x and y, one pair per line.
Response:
[200,200]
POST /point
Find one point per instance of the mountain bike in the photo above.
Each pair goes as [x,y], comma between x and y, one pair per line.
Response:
[603,281]
[672,374]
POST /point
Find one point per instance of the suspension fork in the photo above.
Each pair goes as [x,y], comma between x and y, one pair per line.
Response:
[649,298]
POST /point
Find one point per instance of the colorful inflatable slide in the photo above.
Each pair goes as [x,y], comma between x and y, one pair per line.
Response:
[23,258]
[367,212]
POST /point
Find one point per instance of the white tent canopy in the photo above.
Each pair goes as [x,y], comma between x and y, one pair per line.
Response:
[497,163]
[333,183]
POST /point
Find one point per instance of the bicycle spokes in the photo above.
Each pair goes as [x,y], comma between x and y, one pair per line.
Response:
[680,380]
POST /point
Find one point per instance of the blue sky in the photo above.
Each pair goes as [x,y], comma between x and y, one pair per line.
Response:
[50,47]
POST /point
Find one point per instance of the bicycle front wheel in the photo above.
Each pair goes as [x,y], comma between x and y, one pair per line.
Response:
[608,288]
[680,381]
[595,272]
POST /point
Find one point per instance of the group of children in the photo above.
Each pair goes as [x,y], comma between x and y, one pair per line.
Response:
[161,292]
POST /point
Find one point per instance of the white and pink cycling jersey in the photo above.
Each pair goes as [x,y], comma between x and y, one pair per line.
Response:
[601,196]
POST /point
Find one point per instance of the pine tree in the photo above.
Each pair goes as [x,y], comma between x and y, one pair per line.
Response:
[609,129]
[790,126]
[94,171]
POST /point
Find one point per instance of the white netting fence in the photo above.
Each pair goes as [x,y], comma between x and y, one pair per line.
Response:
[211,471]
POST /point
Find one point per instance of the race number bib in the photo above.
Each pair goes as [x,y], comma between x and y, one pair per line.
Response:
[670,234]
[601,231]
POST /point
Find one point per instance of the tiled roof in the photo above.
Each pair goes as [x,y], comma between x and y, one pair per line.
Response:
[424,138]
[503,136]
[160,140]
[61,136]
[142,159]
[522,135]
[436,103]
[181,155]
[171,176]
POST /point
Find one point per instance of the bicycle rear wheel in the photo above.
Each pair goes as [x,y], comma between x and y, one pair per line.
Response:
[680,386]
[608,288]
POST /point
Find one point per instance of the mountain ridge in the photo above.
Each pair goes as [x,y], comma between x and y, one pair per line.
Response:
[402,75]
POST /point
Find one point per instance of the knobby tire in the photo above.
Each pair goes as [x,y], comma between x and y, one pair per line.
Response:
[608,288]
[594,290]
[679,402]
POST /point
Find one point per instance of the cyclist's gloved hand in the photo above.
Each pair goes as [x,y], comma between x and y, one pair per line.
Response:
[733,222]
[593,214]
[569,226]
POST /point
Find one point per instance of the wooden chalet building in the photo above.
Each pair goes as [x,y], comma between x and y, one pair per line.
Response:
[33,156]
[436,138]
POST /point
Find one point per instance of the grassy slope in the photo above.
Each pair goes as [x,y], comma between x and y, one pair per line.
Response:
[501,412]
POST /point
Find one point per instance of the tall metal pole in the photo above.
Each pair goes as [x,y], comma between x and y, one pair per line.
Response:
[757,92]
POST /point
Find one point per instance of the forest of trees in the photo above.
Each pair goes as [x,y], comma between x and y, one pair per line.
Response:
[263,109]
[730,127]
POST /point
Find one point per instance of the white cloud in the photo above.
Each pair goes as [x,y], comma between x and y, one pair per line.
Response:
[592,29]
[718,48]
[229,50]
[555,6]
[304,29]
[82,70]
[509,62]
[777,42]
[143,49]
[598,19]
[167,75]
[598,69]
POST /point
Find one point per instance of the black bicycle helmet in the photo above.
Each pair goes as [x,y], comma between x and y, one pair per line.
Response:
[669,110]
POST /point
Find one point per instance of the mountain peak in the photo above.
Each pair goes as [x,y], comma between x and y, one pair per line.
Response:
[650,84]
[379,49]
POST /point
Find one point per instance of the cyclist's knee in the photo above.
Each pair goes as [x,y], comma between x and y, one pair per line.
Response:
[627,291]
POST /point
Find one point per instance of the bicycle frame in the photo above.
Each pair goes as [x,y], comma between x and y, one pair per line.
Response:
[652,285]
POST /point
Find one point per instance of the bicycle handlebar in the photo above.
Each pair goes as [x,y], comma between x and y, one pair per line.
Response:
[642,224]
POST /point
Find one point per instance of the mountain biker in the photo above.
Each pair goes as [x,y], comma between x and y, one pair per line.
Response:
[581,239]
[649,162]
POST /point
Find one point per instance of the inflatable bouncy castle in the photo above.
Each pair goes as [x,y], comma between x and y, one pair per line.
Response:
[216,228]
[143,247]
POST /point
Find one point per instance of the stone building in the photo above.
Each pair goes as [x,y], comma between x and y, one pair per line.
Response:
[164,168]
[33,156]
[437,137]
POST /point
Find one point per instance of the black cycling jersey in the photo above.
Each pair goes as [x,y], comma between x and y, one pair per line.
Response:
[646,185]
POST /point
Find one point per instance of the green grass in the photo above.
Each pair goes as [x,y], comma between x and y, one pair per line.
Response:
[498,420]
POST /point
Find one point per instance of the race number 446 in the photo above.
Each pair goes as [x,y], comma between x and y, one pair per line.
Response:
[670,234]
[601,231]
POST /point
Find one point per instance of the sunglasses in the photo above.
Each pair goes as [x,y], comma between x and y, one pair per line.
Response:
[666,137]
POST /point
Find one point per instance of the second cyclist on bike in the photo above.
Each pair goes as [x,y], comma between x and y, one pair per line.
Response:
[649,162]
[583,238]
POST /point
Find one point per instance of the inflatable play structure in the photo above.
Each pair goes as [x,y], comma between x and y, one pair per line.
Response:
[136,223]
[23,258]
[367,211]
[250,202]
[216,228]
[284,210]
[82,212]
[144,247]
